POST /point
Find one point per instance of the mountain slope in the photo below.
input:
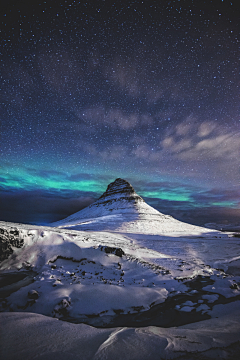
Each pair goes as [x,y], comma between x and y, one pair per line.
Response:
[121,209]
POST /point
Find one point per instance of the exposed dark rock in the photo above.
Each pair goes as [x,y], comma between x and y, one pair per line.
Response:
[65,258]
[26,265]
[9,238]
[112,250]
[33,294]
[14,232]
[118,190]
[118,311]
[62,308]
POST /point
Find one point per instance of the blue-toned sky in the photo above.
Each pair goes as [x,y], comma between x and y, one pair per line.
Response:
[143,90]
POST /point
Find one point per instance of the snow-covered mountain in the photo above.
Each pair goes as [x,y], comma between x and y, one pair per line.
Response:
[121,209]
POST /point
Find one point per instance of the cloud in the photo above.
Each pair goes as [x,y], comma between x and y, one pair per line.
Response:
[173,146]
[202,150]
[222,197]
[116,152]
[113,118]
[206,128]
[142,152]
[108,153]
[219,153]
[124,74]
[127,74]
[125,122]
[184,128]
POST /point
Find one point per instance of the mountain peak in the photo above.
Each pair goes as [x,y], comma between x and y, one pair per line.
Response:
[119,190]
[119,183]
[119,186]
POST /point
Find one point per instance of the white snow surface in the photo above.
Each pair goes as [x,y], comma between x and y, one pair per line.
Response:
[32,336]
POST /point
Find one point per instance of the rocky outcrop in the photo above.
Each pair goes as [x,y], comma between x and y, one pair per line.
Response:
[8,239]
[118,190]
[119,187]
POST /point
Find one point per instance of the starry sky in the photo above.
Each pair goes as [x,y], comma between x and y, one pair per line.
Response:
[143,90]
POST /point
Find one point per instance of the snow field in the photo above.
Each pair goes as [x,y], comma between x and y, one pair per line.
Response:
[46,338]
[83,269]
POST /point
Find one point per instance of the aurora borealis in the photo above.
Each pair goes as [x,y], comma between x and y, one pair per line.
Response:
[142,90]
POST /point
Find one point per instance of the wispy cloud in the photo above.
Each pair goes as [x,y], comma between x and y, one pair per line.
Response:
[113,118]
[200,148]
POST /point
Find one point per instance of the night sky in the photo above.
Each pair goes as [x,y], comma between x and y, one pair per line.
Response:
[142,90]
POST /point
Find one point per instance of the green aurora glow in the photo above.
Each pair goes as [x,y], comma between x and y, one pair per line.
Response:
[230,204]
[23,180]
[172,195]
[28,180]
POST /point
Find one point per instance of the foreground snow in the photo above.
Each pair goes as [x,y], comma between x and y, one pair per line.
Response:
[33,336]
[116,279]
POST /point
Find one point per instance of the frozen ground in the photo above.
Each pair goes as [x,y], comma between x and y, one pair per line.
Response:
[147,296]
